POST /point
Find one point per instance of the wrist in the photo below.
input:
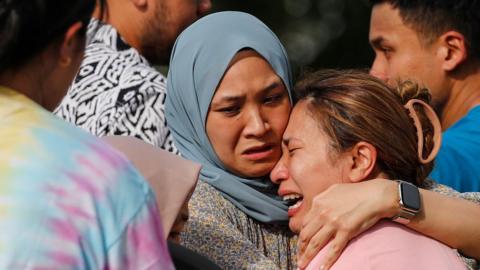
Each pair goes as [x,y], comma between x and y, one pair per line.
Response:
[391,199]
[409,202]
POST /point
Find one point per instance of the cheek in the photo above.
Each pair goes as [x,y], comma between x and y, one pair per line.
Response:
[279,119]
[186,13]
[221,139]
[405,65]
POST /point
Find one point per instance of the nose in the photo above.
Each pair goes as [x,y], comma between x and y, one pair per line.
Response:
[378,69]
[204,6]
[256,124]
[280,171]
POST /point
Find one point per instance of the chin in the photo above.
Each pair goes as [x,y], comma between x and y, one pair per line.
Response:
[260,171]
[254,170]
[294,225]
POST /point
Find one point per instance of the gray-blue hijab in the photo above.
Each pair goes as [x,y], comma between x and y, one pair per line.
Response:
[200,57]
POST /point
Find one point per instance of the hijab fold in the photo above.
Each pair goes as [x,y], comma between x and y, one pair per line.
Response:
[200,57]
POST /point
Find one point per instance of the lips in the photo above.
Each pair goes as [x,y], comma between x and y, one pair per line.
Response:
[293,200]
[259,152]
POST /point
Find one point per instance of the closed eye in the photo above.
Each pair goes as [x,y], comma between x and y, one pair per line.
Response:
[230,110]
[291,151]
[274,99]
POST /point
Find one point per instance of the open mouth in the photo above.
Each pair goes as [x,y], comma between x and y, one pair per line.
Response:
[293,200]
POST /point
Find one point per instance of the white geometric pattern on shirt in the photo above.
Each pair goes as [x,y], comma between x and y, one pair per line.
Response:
[117,92]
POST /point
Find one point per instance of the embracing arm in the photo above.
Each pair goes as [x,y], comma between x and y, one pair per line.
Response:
[345,210]
[452,221]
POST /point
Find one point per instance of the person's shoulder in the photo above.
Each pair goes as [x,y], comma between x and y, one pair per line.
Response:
[206,196]
[207,203]
[117,70]
[393,246]
[79,153]
[108,52]
[468,127]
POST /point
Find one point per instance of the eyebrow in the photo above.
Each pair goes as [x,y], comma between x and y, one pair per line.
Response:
[233,98]
[377,42]
[272,86]
[229,99]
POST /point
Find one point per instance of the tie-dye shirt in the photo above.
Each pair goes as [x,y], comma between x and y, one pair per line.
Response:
[68,201]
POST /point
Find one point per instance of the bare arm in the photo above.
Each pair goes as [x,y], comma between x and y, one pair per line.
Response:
[345,210]
[452,221]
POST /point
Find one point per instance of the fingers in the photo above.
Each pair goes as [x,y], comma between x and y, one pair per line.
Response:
[307,233]
[316,243]
[312,224]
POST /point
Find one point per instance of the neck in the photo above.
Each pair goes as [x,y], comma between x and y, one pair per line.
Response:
[119,16]
[464,96]
[26,81]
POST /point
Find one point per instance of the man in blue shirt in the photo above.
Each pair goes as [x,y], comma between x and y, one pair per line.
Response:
[437,43]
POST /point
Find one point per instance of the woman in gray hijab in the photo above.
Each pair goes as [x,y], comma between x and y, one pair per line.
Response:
[228,103]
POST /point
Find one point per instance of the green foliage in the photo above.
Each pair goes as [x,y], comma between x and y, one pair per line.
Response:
[317,34]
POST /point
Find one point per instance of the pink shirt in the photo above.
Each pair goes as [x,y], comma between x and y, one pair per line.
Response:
[388,245]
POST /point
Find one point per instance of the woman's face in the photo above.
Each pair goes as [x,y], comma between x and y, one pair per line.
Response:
[247,116]
[308,165]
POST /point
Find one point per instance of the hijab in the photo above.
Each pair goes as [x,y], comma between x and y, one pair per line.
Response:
[171,177]
[200,57]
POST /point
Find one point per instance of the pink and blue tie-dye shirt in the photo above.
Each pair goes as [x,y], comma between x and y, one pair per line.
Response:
[68,201]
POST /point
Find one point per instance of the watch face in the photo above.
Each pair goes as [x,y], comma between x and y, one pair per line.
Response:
[410,196]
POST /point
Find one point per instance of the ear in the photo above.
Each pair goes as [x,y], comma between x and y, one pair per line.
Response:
[69,46]
[363,159]
[452,50]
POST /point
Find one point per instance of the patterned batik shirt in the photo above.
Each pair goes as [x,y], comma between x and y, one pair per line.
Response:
[117,92]
[67,200]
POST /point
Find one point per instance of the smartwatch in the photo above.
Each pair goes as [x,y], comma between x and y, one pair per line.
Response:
[409,200]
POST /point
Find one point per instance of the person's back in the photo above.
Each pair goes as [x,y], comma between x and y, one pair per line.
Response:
[118,91]
[68,201]
[388,245]
[457,164]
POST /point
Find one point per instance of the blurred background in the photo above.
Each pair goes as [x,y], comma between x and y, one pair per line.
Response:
[316,33]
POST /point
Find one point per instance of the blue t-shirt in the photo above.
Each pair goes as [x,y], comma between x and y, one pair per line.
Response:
[458,162]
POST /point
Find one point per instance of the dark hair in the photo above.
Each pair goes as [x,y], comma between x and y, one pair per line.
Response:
[27,27]
[102,7]
[352,106]
[432,18]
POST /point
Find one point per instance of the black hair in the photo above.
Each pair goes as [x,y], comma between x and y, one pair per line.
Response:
[432,18]
[27,27]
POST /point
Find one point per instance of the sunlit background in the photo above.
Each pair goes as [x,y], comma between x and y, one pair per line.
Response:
[316,33]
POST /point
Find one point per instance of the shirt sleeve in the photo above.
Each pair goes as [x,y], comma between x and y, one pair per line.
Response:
[450,192]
